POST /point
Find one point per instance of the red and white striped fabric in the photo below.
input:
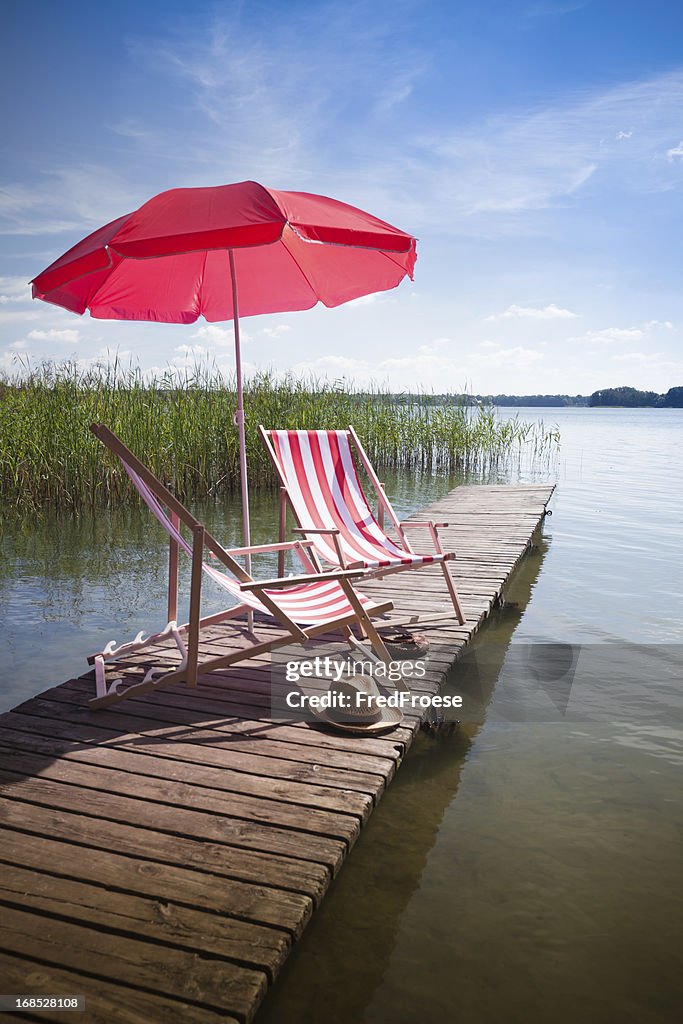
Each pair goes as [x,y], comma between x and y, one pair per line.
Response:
[306,604]
[321,478]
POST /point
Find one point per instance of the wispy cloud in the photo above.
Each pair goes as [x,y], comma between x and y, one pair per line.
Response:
[255,114]
[524,162]
[626,335]
[550,312]
[131,128]
[66,200]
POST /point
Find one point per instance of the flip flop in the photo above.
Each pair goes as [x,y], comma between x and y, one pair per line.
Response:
[402,644]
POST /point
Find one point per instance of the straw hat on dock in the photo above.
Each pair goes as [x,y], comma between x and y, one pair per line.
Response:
[356,705]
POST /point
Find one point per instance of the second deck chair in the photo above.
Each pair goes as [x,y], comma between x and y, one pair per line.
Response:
[320,480]
[305,606]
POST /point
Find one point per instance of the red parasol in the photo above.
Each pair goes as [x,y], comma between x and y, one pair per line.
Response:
[227,251]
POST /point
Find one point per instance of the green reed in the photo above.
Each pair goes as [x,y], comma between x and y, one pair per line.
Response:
[182,427]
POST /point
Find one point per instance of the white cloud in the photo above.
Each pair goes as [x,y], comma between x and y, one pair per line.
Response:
[624,335]
[275,332]
[54,335]
[429,366]
[191,351]
[514,358]
[214,334]
[551,312]
[438,345]
[623,135]
[335,362]
[14,289]
[17,315]
[373,299]
[610,335]
[639,357]
[676,151]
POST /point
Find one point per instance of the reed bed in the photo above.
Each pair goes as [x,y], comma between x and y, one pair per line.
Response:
[183,429]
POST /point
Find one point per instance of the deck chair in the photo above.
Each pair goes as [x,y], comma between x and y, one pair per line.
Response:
[320,481]
[305,606]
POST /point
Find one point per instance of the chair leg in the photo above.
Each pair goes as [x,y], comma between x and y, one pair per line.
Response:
[195,606]
[453,593]
[365,624]
[282,530]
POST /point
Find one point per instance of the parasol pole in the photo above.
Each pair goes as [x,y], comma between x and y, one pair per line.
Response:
[239,415]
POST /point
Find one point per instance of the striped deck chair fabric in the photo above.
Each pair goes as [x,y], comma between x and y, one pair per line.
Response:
[319,473]
[315,603]
[304,606]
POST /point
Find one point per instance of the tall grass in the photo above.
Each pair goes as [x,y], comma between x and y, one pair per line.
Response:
[183,429]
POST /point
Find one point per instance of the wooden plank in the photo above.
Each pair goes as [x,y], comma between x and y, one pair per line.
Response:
[207,983]
[130,784]
[245,901]
[162,919]
[53,743]
[217,860]
[238,735]
[237,749]
[197,824]
[104,1003]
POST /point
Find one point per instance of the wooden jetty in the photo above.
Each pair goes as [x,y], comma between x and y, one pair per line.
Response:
[161,859]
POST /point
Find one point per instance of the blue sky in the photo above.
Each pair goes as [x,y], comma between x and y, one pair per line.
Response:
[535,149]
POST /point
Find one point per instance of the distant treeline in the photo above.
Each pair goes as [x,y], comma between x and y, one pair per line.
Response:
[632,398]
[421,398]
[541,400]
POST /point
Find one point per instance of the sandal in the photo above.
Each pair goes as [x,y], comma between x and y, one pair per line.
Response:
[402,644]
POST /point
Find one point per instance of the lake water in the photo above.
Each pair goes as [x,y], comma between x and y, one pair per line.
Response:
[524,867]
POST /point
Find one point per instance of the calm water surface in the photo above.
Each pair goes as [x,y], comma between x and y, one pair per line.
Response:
[516,871]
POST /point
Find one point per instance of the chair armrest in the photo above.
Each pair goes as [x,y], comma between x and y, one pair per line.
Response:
[292,581]
[410,523]
[305,529]
[256,549]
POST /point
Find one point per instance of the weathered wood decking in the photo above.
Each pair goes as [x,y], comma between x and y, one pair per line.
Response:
[162,858]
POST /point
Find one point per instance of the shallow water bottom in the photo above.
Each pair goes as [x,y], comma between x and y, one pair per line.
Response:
[533,897]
